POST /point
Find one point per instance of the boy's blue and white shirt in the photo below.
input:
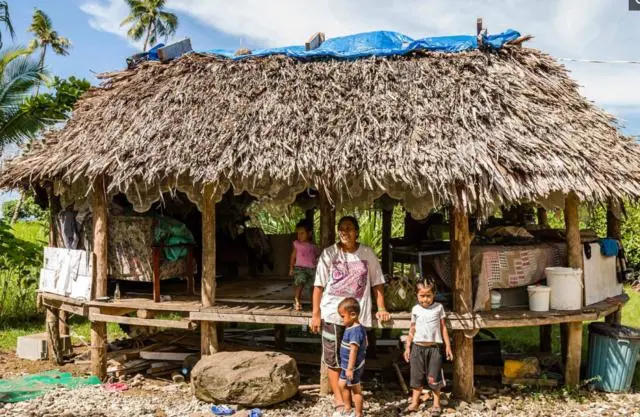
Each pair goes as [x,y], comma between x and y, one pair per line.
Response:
[427,320]
[357,335]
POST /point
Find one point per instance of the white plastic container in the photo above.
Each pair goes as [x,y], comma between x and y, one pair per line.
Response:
[538,297]
[496,299]
[566,288]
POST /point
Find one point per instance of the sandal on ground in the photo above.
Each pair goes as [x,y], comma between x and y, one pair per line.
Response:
[411,409]
[297,306]
[436,412]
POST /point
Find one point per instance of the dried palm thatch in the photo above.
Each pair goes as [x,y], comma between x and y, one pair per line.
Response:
[500,127]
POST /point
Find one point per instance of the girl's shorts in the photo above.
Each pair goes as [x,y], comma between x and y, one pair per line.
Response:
[303,277]
[426,363]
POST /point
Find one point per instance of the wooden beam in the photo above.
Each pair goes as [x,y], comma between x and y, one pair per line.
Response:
[573,330]
[208,334]
[106,318]
[387,215]
[165,356]
[462,300]
[100,266]
[56,320]
[314,41]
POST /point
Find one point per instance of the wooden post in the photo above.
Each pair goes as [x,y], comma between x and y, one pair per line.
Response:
[462,301]
[56,319]
[543,218]
[100,245]
[387,215]
[574,250]
[327,221]
[54,345]
[614,214]
[327,238]
[280,333]
[208,334]
[545,338]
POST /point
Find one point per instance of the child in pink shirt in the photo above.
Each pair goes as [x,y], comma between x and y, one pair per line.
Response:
[302,266]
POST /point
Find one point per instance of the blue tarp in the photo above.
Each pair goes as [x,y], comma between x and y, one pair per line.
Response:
[380,43]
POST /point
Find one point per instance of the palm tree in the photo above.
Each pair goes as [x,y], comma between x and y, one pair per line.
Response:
[4,18]
[19,74]
[148,19]
[42,28]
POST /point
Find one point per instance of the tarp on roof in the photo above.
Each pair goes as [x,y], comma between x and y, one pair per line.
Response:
[380,43]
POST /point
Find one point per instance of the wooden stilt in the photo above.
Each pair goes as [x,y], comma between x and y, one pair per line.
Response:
[574,352]
[56,319]
[574,251]
[327,238]
[387,215]
[462,302]
[54,345]
[280,333]
[208,334]
[614,224]
[100,244]
[543,218]
[545,338]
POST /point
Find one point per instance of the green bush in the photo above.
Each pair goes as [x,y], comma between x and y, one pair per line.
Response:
[28,211]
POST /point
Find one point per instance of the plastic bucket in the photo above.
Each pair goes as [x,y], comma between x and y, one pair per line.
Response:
[538,297]
[566,288]
[613,352]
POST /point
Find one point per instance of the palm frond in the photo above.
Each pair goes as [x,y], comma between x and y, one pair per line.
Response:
[6,19]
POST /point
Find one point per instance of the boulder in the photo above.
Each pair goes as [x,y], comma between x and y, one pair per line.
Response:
[245,378]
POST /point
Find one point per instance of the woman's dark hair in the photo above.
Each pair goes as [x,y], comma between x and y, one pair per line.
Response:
[427,283]
[349,219]
[305,224]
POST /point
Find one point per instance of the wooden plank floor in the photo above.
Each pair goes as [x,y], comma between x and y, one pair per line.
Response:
[268,301]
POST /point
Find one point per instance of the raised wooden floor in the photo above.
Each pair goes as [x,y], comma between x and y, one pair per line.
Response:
[269,302]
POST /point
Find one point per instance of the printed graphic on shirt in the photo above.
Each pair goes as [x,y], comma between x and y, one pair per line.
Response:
[349,279]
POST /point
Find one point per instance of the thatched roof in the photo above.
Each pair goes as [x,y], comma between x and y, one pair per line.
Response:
[505,125]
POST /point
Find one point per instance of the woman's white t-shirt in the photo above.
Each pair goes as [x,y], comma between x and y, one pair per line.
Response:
[344,275]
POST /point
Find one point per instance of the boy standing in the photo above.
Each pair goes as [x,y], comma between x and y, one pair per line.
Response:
[353,349]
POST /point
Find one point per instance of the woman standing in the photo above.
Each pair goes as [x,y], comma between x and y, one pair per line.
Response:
[345,269]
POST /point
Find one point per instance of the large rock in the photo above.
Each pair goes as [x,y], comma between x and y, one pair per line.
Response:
[245,378]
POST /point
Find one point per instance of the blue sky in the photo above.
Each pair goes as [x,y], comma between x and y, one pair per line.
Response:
[580,29]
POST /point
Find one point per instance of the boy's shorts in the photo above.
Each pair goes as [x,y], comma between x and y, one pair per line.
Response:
[357,376]
[426,361]
[331,338]
[303,277]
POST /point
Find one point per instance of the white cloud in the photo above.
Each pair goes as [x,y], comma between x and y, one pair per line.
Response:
[567,28]
[106,17]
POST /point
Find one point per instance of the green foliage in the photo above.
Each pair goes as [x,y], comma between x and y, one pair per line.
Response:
[19,74]
[29,210]
[54,107]
[148,18]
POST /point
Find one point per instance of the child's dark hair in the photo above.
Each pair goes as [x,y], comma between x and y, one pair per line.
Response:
[427,283]
[349,219]
[305,224]
[350,305]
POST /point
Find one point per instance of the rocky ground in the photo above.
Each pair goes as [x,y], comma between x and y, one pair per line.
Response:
[161,398]
[164,399]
